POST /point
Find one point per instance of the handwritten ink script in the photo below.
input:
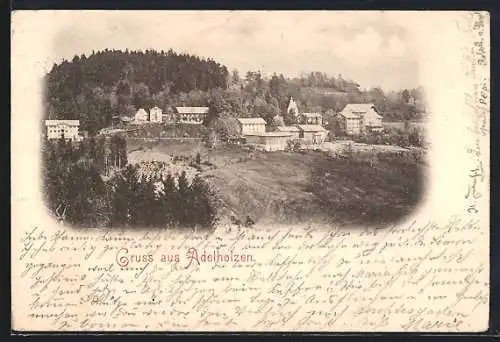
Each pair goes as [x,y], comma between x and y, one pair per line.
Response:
[475,62]
[407,278]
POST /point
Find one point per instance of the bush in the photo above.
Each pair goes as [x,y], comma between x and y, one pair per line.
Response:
[412,137]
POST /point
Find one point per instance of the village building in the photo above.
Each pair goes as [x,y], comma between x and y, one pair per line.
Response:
[311,119]
[192,115]
[312,134]
[269,141]
[293,130]
[252,125]
[56,129]
[141,116]
[358,118]
[155,114]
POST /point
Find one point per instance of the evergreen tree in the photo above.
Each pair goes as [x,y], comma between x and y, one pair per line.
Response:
[202,203]
[182,211]
[170,201]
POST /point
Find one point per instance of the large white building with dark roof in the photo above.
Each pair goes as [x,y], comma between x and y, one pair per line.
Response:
[192,115]
[56,129]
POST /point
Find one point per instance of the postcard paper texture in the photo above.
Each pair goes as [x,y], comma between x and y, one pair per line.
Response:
[250,171]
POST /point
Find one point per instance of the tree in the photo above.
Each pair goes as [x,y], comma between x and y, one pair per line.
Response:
[170,200]
[183,211]
[405,95]
[278,90]
[141,96]
[202,197]
[277,121]
[86,197]
[146,213]
[217,105]
[235,77]
[289,119]
[121,201]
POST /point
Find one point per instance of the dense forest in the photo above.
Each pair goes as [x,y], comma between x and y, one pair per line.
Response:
[91,185]
[111,83]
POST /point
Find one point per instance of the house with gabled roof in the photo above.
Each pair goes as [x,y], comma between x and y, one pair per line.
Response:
[312,134]
[141,116]
[358,118]
[155,114]
[252,125]
[192,115]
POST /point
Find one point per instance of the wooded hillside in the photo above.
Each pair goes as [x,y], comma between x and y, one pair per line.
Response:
[107,83]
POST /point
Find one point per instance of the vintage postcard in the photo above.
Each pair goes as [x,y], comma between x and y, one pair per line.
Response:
[250,171]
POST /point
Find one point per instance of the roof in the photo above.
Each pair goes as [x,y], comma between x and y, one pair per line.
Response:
[354,110]
[192,110]
[311,128]
[287,128]
[62,122]
[349,115]
[312,114]
[250,121]
[271,134]
[155,108]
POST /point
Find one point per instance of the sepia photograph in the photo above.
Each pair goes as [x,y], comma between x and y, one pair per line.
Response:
[250,171]
[263,126]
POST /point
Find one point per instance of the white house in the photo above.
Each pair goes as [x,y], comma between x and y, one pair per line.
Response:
[62,128]
[155,114]
[252,125]
[269,141]
[312,134]
[192,115]
[357,118]
[141,116]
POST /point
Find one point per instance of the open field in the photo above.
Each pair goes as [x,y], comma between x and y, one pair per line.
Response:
[285,187]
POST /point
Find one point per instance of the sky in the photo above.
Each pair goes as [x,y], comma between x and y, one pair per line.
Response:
[372,48]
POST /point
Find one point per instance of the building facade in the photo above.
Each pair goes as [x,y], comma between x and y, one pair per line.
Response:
[252,125]
[349,124]
[312,134]
[155,114]
[56,129]
[359,118]
[293,130]
[141,116]
[269,141]
[192,115]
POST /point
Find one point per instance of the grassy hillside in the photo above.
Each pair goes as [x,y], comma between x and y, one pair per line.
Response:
[311,187]
[287,188]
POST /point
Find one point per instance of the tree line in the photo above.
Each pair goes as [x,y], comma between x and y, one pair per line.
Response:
[106,83]
[84,194]
[112,83]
